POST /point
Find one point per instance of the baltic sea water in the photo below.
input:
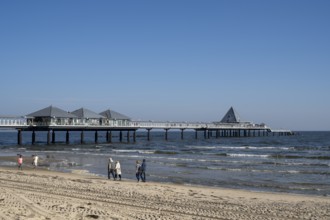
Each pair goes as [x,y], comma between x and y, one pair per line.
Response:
[294,164]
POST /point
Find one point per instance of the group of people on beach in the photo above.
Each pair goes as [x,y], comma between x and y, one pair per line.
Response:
[35,159]
[114,170]
[140,170]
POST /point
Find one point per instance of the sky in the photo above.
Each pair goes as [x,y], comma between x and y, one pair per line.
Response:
[173,60]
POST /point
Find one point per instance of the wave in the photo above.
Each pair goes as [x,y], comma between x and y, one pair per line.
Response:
[203,147]
[248,155]
[325,173]
[165,152]
[134,151]
[254,148]
[280,156]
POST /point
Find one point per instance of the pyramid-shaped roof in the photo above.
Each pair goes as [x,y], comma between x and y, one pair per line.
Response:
[110,114]
[51,112]
[231,116]
[86,113]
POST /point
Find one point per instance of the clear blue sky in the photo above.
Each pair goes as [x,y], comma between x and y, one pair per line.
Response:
[178,60]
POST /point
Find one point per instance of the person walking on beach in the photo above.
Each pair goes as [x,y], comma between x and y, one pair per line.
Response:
[143,170]
[118,170]
[138,170]
[111,169]
[35,161]
[20,162]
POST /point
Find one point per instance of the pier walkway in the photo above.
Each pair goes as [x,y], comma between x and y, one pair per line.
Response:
[220,129]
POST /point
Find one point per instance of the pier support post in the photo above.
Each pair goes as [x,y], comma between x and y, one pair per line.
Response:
[205,133]
[67,137]
[196,134]
[134,136]
[110,137]
[96,137]
[33,137]
[53,137]
[48,137]
[128,137]
[148,133]
[19,137]
[120,136]
[182,129]
[82,137]
[166,134]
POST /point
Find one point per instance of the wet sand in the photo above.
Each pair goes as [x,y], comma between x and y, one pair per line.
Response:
[43,194]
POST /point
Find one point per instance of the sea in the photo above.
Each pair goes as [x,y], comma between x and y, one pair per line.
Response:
[298,164]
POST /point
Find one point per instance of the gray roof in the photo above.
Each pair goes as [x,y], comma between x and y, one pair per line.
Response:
[51,112]
[86,113]
[110,114]
[231,116]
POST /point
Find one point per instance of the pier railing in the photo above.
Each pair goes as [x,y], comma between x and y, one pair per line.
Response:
[21,122]
[10,121]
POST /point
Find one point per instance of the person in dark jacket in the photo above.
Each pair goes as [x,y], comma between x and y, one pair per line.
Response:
[111,169]
[143,170]
[138,170]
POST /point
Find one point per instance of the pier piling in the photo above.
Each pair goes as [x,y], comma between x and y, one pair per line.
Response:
[67,137]
[48,137]
[149,129]
[19,137]
[33,137]
[82,137]
[96,137]
[53,137]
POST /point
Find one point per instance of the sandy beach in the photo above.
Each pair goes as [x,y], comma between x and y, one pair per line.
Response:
[44,194]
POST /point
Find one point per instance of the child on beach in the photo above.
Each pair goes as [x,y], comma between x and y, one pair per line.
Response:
[20,162]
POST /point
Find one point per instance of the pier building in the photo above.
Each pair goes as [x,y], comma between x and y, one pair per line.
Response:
[114,118]
[50,116]
[53,119]
[88,117]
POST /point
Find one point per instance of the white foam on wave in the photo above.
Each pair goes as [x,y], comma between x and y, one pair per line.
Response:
[232,148]
[289,171]
[252,148]
[248,155]
[140,151]
[203,147]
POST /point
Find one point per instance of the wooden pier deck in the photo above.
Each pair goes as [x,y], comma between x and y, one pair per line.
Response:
[220,129]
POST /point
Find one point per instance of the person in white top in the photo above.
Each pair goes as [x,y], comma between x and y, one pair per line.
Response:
[118,170]
[35,161]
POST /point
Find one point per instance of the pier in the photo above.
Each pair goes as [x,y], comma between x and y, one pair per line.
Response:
[52,120]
